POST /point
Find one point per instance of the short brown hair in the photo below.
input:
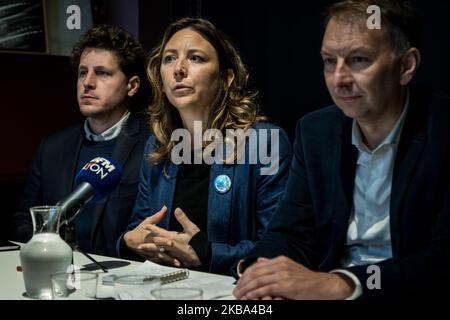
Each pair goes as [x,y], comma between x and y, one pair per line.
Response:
[129,52]
[398,17]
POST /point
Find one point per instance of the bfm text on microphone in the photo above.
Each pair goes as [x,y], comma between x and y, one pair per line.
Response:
[98,178]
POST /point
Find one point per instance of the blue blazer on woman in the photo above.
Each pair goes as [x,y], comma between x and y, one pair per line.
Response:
[237,218]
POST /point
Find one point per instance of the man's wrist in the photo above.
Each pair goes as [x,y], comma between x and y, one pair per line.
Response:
[128,240]
[342,287]
[125,238]
[348,281]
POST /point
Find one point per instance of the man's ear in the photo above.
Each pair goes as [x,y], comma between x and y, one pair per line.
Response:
[133,85]
[230,77]
[409,64]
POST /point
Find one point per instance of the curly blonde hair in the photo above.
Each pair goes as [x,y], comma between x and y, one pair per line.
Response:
[235,107]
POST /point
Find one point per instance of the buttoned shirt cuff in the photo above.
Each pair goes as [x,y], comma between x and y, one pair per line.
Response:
[358,287]
[238,270]
[239,267]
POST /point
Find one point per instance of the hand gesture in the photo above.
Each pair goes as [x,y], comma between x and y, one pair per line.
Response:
[174,248]
[140,235]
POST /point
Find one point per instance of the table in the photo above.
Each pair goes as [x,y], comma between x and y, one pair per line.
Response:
[12,286]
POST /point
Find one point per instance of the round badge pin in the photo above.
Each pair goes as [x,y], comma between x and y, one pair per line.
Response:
[222,183]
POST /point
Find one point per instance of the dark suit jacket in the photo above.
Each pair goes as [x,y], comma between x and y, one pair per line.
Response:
[311,222]
[52,176]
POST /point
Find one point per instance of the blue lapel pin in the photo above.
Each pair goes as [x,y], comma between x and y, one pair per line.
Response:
[222,183]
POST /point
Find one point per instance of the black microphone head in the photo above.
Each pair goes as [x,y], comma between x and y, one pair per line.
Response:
[102,173]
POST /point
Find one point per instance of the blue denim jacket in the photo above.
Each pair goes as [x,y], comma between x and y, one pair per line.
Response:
[237,218]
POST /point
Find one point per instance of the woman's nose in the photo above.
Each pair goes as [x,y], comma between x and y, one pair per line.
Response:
[180,71]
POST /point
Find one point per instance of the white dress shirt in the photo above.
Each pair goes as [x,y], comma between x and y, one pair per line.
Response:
[368,235]
[108,134]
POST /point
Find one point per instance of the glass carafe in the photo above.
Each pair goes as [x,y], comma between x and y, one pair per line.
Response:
[45,253]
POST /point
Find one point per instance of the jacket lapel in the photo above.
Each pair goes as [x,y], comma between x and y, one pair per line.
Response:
[166,193]
[219,204]
[69,164]
[345,158]
[410,148]
[127,141]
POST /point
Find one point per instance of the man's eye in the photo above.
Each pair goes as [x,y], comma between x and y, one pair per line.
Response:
[359,60]
[329,61]
[82,73]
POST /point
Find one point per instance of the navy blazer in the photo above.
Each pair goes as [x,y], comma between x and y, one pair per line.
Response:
[235,219]
[53,173]
[311,223]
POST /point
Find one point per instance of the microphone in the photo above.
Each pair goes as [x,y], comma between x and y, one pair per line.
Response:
[98,178]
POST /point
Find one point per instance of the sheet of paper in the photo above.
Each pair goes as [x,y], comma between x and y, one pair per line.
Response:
[214,286]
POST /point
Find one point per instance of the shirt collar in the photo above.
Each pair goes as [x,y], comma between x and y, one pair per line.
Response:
[391,138]
[108,134]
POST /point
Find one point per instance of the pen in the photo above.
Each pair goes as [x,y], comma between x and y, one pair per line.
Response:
[105,269]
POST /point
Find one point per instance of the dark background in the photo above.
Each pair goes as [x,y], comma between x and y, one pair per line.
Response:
[22,25]
[278,40]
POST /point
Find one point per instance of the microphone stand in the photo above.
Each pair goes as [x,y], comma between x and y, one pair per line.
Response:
[71,238]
